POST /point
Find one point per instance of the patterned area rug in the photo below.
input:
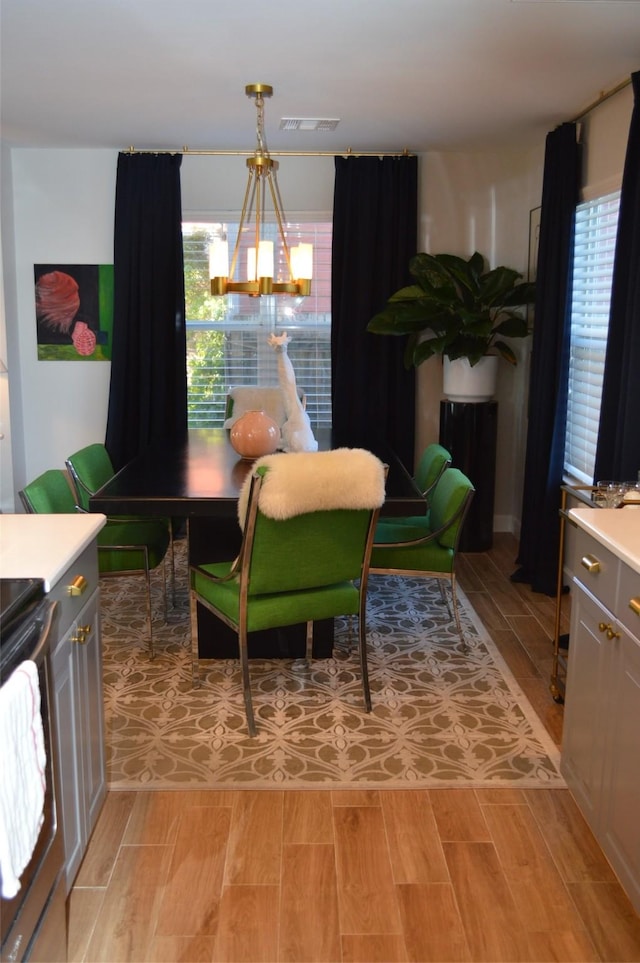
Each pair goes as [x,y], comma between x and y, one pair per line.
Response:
[444,714]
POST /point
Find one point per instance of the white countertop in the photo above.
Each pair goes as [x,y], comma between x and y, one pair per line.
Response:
[43,546]
[618,529]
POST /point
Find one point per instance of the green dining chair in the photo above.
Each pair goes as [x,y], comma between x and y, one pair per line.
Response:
[126,546]
[308,521]
[426,546]
[89,469]
[435,460]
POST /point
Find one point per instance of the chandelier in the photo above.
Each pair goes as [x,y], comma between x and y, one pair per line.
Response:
[262,180]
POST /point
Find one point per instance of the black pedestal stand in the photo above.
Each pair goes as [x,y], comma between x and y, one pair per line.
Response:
[469,430]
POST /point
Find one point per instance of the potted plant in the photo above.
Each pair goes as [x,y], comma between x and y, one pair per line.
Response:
[460,310]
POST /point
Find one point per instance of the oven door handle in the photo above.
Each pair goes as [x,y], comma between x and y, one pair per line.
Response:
[45,632]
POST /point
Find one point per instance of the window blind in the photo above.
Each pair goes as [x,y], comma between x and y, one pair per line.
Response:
[594,249]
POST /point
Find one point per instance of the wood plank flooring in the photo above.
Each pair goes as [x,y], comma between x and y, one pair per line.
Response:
[363,876]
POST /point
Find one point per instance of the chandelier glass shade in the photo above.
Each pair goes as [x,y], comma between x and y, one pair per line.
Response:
[262,183]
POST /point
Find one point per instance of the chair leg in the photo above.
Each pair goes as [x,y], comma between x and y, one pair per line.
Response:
[173,568]
[456,613]
[164,589]
[195,656]
[308,657]
[246,681]
[362,652]
[445,597]
[147,575]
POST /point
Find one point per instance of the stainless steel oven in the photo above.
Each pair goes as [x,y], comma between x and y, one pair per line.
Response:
[33,922]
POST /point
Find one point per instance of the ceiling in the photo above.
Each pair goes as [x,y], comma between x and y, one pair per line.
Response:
[415,74]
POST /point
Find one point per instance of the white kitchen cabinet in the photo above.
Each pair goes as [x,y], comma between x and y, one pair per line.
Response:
[601,736]
[77,679]
[62,551]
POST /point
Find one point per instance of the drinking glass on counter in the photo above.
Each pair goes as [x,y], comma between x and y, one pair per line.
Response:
[609,494]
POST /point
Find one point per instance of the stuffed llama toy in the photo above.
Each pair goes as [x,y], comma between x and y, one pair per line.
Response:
[296,430]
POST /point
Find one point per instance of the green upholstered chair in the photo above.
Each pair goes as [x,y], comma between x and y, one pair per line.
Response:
[433,462]
[89,469]
[308,521]
[435,459]
[426,545]
[126,546]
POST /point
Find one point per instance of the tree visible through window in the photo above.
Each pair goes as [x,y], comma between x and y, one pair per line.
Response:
[227,336]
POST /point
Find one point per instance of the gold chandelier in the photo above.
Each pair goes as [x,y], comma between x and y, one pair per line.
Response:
[260,260]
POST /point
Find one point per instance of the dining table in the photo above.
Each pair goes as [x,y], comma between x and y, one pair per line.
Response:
[196,481]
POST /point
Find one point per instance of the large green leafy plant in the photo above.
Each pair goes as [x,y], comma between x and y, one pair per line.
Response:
[457,308]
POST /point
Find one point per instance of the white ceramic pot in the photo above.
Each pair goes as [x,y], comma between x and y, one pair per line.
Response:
[464,382]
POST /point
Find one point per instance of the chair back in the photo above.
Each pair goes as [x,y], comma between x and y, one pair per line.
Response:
[321,544]
[449,505]
[434,461]
[49,494]
[268,398]
[90,469]
[308,551]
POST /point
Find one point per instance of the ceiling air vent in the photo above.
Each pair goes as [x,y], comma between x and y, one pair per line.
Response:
[309,123]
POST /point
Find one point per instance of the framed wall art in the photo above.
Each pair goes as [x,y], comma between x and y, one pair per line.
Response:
[74,311]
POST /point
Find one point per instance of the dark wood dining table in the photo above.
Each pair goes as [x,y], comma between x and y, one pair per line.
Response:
[198,480]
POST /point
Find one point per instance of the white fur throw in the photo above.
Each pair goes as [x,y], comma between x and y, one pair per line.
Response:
[299,482]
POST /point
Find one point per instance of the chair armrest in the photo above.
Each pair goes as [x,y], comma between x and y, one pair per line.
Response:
[423,540]
[232,573]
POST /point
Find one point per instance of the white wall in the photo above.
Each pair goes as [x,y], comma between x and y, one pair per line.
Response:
[604,134]
[481,202]
[63,203]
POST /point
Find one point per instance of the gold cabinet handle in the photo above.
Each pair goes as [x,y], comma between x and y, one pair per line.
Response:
[591,563]
[78,586]
[634,605]
[83,633]
[609,630]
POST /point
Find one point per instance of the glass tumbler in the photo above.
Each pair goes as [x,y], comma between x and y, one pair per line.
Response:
[613,492]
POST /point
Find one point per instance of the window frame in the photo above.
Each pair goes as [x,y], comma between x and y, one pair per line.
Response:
[595,233]
[252,320]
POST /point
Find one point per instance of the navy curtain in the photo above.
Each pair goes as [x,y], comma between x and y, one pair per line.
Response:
[374,236]
[539,539]
[618,451]
[148,392]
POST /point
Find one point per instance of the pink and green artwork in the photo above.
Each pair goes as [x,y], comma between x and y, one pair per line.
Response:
[74,311]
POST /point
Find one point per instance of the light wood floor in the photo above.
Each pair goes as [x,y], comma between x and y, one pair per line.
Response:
[431,875]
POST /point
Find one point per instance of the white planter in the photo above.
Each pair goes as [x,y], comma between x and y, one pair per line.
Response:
[464,382]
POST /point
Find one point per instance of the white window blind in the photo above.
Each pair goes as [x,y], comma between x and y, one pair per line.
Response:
[227,337]
[594,249]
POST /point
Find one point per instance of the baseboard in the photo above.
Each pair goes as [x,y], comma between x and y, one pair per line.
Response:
[507,523]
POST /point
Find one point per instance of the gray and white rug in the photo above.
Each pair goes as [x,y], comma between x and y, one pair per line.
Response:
[444,715]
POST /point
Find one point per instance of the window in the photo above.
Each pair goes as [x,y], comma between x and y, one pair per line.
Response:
[594,250]
[227,336]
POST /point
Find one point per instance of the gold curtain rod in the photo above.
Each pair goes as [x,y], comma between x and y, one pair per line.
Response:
[273,153]
[605,95]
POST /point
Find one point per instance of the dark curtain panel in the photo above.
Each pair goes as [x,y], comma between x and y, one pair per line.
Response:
[148,392]
[374,236]
[618,452]
[539,539]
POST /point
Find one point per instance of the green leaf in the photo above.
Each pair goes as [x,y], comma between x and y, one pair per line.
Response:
[506,352]
[411,293]
[513,326]
[456,308]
